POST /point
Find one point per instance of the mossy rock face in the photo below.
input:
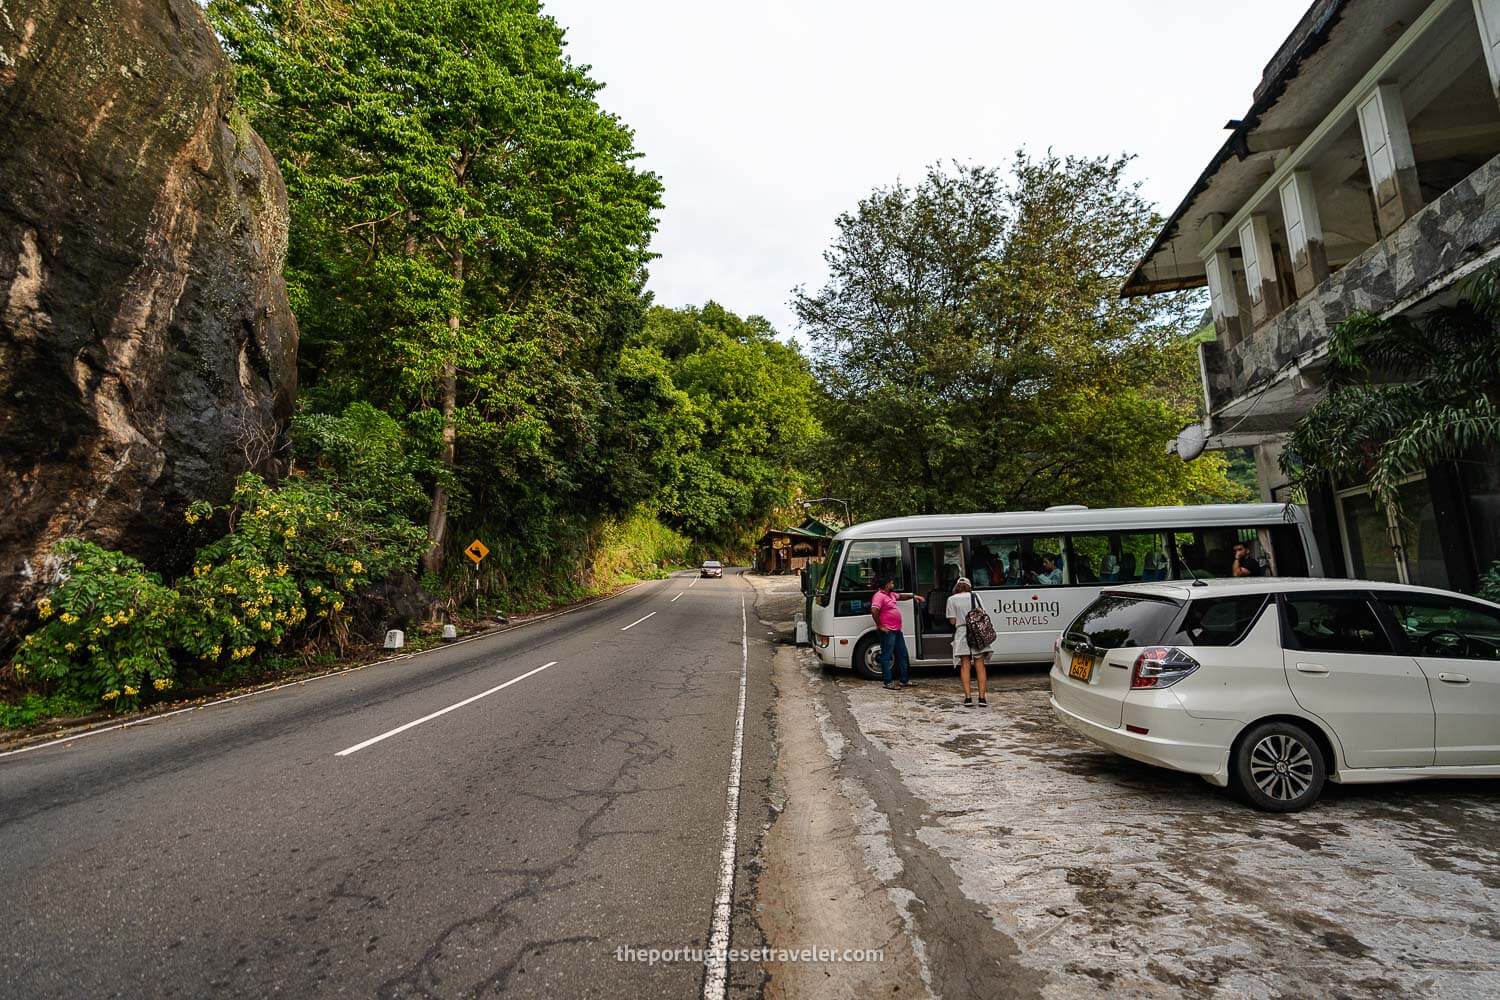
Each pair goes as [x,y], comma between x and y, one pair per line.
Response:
[147,348]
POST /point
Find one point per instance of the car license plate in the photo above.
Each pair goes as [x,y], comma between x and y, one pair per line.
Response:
[1082,667]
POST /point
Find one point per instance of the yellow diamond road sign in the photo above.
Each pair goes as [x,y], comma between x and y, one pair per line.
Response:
[476,551]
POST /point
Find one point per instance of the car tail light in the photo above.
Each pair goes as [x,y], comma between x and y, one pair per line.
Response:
[1161,666]
[821,641]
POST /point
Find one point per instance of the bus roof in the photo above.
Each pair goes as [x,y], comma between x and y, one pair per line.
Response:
[1075,519]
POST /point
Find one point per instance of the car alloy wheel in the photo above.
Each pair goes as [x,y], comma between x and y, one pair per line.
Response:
[1279,767]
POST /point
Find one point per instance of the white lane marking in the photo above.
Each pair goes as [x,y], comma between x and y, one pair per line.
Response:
[309,680]
[716,974]
[638,621]
[675,598]
[442,711]
[695,582]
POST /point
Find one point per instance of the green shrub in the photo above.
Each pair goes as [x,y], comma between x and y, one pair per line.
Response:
[1489,583]
[294,552]
[108,628]
[34,707]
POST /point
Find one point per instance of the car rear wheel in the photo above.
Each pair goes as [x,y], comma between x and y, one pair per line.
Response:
[867,658]
[1279,767]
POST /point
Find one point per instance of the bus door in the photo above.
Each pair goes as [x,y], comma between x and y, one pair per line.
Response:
[936,567]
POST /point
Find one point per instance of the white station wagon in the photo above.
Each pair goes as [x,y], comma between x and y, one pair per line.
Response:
[1274,686]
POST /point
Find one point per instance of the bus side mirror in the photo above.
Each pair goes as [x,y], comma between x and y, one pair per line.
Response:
[805,578]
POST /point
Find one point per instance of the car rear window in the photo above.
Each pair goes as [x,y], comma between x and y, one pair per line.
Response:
[1115,621]
[1218,621]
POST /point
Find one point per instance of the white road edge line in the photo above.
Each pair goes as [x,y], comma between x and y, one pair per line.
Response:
[638,621]
[716,962]
[678,595]
[145,720]
[442,711]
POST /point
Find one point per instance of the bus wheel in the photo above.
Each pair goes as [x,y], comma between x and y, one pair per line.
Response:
[867,658]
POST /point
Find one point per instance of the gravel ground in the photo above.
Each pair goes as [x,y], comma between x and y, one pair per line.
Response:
[1117,878]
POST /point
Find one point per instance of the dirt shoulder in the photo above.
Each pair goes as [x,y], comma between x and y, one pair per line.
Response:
[821,886]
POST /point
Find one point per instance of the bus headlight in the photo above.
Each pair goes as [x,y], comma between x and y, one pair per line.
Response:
[821,641]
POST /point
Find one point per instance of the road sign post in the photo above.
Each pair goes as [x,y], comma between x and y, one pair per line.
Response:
[476,552]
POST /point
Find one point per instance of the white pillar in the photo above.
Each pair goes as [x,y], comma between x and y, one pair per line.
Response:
[1260,269]
[1487,13]
[1304,232]
[1388,156]
[1223,298]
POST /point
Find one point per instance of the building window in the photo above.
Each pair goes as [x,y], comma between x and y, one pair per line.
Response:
[1389,545]
[1480,475]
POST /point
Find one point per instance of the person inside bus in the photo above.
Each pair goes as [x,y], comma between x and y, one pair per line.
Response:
[1245,563]
[1015,575]
[959,605]
[1051,573]
[1109,568]
[982,559]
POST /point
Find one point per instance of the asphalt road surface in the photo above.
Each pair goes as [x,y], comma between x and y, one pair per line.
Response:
[512,844]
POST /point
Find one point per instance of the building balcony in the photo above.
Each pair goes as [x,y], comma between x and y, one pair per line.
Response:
[1261,384]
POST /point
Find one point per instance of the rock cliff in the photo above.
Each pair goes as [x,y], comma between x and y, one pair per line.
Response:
[147,348]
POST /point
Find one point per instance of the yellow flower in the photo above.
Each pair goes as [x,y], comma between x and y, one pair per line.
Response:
[191,518]
[338,605]
[67,618]
[70,646]
[44,608]
[130,692]
[357,566]
[265,624]
[110,695]
[281,569]
[162,683]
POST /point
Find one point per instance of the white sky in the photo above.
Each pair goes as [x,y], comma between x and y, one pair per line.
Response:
[766,120]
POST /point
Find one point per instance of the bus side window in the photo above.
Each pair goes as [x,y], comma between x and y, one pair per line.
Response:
[1143,556]
[867,562]
[1287,553]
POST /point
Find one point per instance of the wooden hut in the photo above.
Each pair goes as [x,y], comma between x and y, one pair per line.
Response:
[787,550]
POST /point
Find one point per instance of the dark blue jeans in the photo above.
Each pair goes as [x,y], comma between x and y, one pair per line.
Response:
[894,643]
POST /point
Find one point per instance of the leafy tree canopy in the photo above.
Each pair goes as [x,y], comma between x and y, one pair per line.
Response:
[975,354]
[469,234]
[750,399]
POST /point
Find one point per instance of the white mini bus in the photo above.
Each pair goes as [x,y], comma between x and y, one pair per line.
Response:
[1033,571]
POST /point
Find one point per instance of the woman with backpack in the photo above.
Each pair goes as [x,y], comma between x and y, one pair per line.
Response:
[969,651]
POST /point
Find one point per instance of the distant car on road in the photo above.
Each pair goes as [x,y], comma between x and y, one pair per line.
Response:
[1275,686]
[712,568]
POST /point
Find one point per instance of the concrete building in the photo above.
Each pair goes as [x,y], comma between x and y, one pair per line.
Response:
[1364,177]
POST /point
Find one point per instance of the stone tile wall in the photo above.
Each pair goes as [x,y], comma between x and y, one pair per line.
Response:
[1454,230]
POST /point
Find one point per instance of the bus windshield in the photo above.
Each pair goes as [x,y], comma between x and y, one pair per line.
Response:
[825,578]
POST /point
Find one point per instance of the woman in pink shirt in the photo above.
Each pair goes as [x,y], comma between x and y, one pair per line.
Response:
[887,614]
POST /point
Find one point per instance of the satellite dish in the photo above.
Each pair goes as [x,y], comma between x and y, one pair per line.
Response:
[1191,442]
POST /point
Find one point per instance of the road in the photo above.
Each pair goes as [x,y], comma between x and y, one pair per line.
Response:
[513,843]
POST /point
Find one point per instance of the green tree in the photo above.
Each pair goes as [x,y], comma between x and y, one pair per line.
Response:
[975,354]
[751,399]
[466,220]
